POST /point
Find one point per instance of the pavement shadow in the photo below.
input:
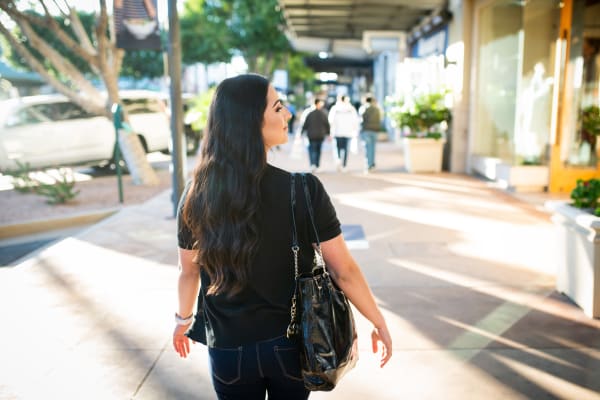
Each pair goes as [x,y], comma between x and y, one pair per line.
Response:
[523,347]
[121,344]
[439,262]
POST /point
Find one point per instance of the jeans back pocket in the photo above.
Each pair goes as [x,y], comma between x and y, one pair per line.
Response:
[226,364]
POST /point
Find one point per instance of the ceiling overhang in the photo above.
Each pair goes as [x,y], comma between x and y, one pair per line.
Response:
[337,27]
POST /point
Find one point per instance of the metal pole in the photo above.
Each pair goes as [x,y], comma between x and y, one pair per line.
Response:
[118,123]
[178,153]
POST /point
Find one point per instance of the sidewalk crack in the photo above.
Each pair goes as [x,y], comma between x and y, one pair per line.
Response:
[160,353]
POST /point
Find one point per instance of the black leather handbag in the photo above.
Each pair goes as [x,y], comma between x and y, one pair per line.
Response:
[321,317]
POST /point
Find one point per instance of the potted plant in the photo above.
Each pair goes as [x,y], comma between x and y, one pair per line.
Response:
[578,244]
[424,121]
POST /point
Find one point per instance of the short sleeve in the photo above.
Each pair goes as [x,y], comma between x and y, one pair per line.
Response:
[185,238]
[328,225]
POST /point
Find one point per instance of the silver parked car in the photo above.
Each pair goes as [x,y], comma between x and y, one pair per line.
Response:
[49,130]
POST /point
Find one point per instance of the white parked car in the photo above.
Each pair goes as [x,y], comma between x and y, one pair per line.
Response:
[49,130]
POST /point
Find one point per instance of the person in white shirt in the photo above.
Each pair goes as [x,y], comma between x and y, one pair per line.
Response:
[344,125]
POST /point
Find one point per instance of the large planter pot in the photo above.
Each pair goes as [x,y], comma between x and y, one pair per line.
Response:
[523,178]
[423,154]
[578,255]
[518,178]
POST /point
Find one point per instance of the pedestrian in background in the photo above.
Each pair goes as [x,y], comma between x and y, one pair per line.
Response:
[316,126]
[234,231]
[292,109]
[371,125]
[344,125]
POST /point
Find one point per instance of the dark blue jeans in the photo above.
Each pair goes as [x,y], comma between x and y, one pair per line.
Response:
[249,372]
[342,149]
[370,140]
[314,151]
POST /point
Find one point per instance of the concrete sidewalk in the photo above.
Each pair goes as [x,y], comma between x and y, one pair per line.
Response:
[462,271]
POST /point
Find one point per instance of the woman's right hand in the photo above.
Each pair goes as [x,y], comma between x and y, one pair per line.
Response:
[382,335]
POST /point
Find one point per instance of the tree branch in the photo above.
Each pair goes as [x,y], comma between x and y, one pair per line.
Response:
[61,63]
[59,8]
[109,75]
[50,23]
[87,103]
[80,32]
[118,55]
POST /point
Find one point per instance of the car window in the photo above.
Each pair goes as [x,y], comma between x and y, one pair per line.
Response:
[60,111]
[49,111]
[26,116]
[142,106]
[71,111]
[46,112]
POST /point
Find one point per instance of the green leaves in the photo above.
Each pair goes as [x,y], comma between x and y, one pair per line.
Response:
[205,33]
[421,114]
[215,30]
[590,120]
[41,28]
[198,113]
[586,194]
[136,63]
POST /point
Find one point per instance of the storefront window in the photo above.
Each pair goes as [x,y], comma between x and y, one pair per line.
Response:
[581,118]
[514,87]
[498,64]
[541,19]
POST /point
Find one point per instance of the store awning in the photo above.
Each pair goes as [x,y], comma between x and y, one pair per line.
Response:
[338,27]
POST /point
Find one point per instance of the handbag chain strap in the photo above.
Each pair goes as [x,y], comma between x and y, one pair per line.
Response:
[293,328]
[318,253]
[295,245]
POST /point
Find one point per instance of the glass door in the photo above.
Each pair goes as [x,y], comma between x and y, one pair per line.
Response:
[575,145]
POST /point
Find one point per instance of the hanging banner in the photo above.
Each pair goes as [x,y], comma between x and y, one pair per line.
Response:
[136,24]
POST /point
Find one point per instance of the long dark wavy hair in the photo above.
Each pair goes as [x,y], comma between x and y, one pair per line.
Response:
[221,208]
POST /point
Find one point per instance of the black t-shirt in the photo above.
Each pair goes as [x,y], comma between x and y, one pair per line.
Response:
[262,309]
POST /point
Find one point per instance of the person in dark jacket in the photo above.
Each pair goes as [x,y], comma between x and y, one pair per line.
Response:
[371,124]
[316,127]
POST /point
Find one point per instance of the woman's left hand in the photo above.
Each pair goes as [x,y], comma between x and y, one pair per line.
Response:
[181,343]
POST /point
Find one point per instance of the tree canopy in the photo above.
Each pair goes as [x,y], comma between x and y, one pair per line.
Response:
[205,35]
[136,63]
[215,30]
[72,48]
[64,53]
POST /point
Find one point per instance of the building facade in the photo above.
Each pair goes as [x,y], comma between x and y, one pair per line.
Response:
[532,93]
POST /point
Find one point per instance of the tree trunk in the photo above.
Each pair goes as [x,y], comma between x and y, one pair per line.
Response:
[105,60]
[252,63]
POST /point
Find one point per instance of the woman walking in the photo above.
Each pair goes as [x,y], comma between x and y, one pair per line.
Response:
[234,236]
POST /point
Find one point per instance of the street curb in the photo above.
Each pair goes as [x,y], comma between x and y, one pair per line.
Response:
[44,225]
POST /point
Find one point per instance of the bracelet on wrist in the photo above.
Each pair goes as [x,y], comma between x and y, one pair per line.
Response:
[179,320]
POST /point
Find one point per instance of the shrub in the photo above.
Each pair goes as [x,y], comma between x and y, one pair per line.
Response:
[586,194]
[21,178]
[61,189]
[422,115]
